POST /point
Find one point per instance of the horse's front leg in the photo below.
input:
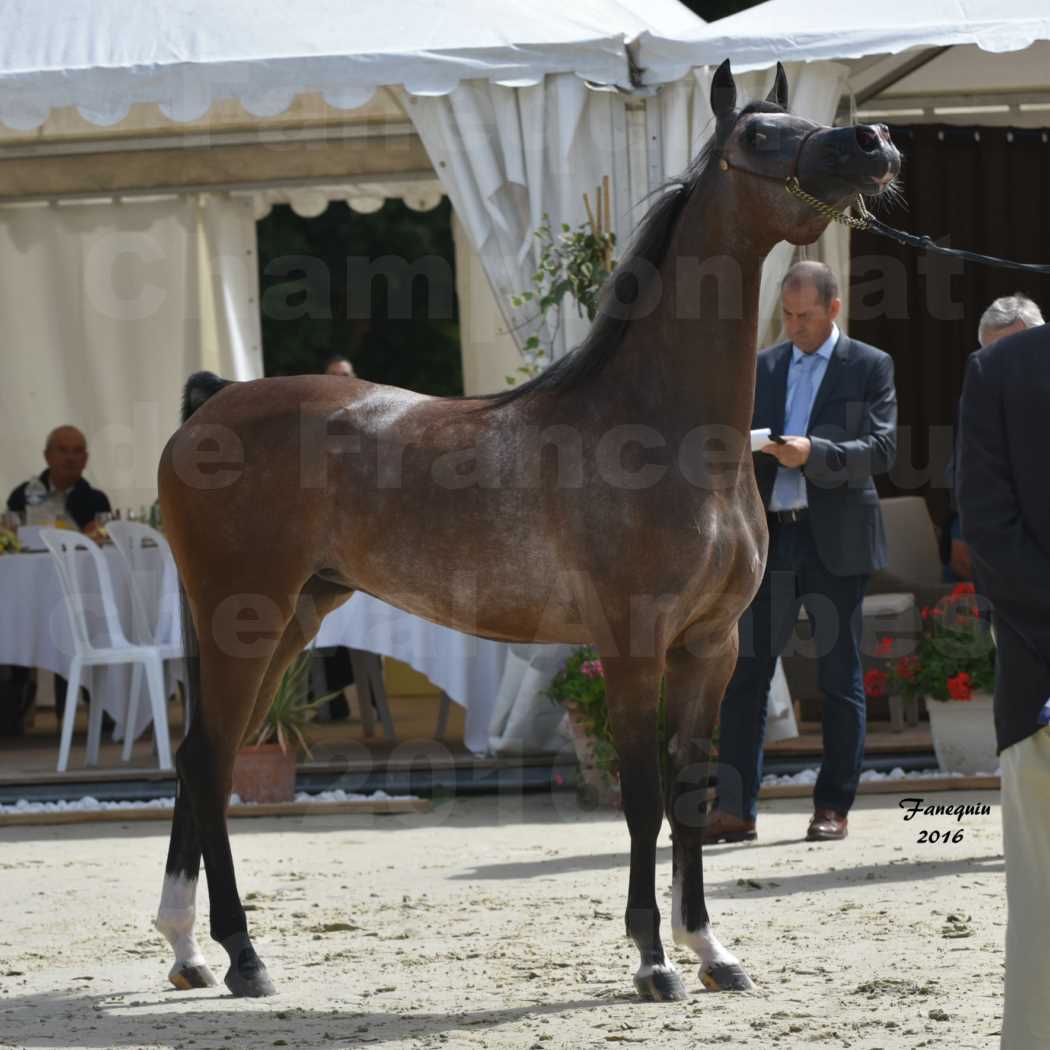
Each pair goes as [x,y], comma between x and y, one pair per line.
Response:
[633,691]
[695,685]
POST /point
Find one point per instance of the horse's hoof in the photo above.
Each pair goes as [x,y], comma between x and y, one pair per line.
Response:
[660,984]
[185,977]
[251,984]
[725,977]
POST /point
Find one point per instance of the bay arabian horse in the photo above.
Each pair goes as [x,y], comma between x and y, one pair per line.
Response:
[609,501]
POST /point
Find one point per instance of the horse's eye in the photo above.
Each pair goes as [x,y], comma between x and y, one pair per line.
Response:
[755,137]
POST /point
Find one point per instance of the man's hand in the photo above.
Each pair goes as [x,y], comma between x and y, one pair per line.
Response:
[794,452]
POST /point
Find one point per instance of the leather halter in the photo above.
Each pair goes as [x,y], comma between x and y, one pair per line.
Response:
[727,165]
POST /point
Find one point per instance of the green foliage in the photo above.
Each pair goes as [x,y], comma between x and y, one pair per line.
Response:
[955,657]
[292,710]
[581,684]
[401,326]
[574,262]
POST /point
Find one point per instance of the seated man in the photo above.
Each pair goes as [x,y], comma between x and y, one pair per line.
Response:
[66,455]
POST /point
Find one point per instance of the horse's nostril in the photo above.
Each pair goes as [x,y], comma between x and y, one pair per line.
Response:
[867,138]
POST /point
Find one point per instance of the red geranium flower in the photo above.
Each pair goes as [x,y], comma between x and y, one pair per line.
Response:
[875,683]
[960,687]
[885,646]
[907,668]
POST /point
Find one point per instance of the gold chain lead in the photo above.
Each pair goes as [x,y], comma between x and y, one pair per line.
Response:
[793,187]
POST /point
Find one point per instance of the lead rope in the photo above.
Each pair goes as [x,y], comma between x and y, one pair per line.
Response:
[866,221]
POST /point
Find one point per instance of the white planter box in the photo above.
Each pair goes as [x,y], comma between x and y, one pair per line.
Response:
[964,734]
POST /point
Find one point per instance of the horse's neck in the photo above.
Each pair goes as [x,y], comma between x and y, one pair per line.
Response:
[699,343]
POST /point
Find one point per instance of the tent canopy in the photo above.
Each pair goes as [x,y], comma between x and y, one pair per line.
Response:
[104,55]
[801,31]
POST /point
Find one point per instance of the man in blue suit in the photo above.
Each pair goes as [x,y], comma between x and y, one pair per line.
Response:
[833,400]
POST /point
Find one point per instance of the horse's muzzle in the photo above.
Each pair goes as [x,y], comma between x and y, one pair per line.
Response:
[862,155]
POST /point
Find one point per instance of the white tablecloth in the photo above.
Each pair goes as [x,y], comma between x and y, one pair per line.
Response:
[469,669]
[34,625]
[34,632]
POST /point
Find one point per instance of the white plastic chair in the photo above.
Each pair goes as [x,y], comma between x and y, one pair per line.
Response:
[67,551]
[154,608]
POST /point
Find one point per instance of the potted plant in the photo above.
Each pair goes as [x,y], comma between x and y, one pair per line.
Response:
[574,262]
[264,771]
[953,667]
[580,688]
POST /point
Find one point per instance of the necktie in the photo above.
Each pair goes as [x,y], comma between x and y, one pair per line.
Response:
[789,489]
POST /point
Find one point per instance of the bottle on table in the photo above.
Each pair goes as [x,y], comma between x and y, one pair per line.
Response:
[37,506]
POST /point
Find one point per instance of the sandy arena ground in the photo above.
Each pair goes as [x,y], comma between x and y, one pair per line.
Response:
[497,922]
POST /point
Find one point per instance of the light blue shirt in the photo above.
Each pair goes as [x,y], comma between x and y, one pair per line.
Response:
[789,489]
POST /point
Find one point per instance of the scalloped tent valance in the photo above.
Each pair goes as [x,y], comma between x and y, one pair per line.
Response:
[102,56]
[801,31]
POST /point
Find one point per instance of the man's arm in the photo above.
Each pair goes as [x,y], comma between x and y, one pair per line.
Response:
[855,460]
[1008,560]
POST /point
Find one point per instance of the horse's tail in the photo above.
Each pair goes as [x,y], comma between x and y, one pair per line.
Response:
[191,658]
[199,387]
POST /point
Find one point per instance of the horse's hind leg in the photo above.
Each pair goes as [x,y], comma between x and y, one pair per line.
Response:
[694,691]
[235,657]
[239,692]
[177,912]
[633,689]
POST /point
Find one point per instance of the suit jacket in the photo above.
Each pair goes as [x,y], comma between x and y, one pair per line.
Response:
[1004,505]
[853,431]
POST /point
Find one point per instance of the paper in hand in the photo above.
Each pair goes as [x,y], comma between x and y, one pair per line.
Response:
[760,438]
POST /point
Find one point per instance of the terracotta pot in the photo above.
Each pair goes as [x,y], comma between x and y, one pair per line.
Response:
[963,734]
[264,774]
[595,787]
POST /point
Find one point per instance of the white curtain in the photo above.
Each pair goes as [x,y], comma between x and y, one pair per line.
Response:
[105,310]
[507,156]
[687,122]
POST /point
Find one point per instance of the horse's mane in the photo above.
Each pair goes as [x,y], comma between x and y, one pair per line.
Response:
[649,244]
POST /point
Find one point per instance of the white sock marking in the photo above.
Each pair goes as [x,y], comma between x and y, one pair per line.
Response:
[175,920]
[707,947]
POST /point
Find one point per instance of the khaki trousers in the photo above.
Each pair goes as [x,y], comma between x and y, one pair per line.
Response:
[1026,843]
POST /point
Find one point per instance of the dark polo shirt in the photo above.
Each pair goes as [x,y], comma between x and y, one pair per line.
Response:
[82,501]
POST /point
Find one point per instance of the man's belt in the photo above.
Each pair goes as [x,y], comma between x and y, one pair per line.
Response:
[782,517]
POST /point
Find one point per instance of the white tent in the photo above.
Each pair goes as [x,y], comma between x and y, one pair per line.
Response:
[931,59]
[142,140]
[104,55]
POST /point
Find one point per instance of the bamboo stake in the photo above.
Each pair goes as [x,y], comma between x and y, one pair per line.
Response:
[590,214]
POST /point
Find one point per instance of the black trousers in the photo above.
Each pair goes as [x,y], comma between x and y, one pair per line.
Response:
[795,576]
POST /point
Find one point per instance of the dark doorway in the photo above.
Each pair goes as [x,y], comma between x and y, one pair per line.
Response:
[378,288]
[985,189]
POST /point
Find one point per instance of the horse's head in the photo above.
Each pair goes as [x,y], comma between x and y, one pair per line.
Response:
[762,146]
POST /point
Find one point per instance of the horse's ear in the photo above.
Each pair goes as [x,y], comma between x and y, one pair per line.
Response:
[778,93]
[723,91]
